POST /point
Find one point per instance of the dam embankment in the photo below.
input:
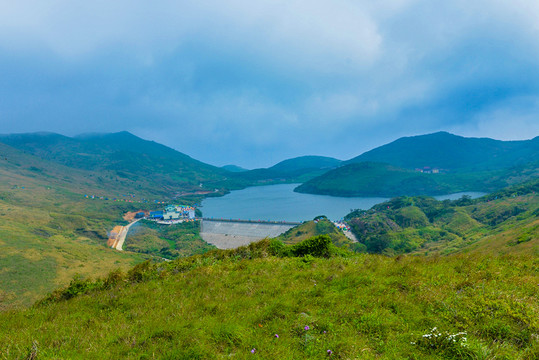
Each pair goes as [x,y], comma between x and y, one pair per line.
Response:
[227,234]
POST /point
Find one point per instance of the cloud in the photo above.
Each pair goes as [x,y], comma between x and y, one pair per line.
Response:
[514,119]
[264,80]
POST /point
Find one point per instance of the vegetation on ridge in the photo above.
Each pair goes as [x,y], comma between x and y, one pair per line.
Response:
[380,179]
[423,224]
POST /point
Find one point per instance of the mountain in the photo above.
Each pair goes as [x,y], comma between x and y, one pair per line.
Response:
[452,153]
[122,157]
[306,163]
[434,164]
[297,170]
[233,168]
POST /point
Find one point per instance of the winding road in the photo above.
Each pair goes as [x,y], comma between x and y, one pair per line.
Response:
[121,236]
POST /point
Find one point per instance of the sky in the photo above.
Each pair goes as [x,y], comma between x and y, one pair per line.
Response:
[255,82]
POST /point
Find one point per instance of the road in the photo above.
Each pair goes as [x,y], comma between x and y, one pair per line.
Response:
[350,235]
[121,236]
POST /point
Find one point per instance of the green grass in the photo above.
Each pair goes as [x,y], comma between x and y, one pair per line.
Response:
[169,241]
[226,303]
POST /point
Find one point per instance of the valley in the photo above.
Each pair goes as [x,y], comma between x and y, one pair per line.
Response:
[410,263]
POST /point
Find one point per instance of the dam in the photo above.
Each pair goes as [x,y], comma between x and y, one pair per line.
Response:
[230,234]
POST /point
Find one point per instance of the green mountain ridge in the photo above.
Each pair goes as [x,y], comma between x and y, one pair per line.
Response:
[295,170]
[122,156]
[385,180]
[233,168]
[452,153]
[433,164]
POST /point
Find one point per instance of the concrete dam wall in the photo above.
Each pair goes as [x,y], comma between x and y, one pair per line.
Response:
[230,235]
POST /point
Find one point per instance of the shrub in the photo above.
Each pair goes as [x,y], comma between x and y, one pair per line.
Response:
[318,246]
[276,248]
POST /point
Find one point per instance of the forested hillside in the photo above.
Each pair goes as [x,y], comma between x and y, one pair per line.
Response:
[424,225]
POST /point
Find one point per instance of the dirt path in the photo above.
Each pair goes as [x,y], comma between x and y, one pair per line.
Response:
[118,235]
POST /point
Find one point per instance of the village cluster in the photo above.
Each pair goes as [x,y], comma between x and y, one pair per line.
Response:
[171,214]
[342,225]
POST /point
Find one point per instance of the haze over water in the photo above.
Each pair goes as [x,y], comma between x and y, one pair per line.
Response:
[281,203]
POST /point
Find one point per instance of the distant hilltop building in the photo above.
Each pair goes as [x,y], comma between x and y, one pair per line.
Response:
[428,170]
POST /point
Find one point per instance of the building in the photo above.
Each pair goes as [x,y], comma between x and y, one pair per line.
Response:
[156,215]
[171,215]
[174,212]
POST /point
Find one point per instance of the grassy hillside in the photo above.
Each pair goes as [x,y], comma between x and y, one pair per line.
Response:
[378,179]
[453,153]
[506,221]
[48,233]
[250,303]
[124,159]
[310,229]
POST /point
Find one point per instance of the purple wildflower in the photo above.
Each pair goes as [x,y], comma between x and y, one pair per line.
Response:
[253,351]
[277,336]
[330,352]
[307,327]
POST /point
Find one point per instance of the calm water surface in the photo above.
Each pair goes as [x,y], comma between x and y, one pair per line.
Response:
[281,203]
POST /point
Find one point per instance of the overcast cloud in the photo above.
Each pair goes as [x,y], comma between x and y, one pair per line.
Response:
[255,82]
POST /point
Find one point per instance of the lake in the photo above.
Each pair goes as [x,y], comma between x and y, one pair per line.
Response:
[281,203]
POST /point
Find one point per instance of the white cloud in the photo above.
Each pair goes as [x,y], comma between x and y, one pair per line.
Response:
[271,72]
[515,119]
[313,34]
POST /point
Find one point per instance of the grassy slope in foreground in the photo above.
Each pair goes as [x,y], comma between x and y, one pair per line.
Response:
[227,303]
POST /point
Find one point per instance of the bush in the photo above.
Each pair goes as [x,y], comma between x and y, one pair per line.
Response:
[276,248]
[318,246]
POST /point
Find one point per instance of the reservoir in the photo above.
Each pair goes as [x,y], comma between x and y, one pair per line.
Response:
[281,203]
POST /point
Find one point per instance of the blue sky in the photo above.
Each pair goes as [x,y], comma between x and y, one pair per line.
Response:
[255,82]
